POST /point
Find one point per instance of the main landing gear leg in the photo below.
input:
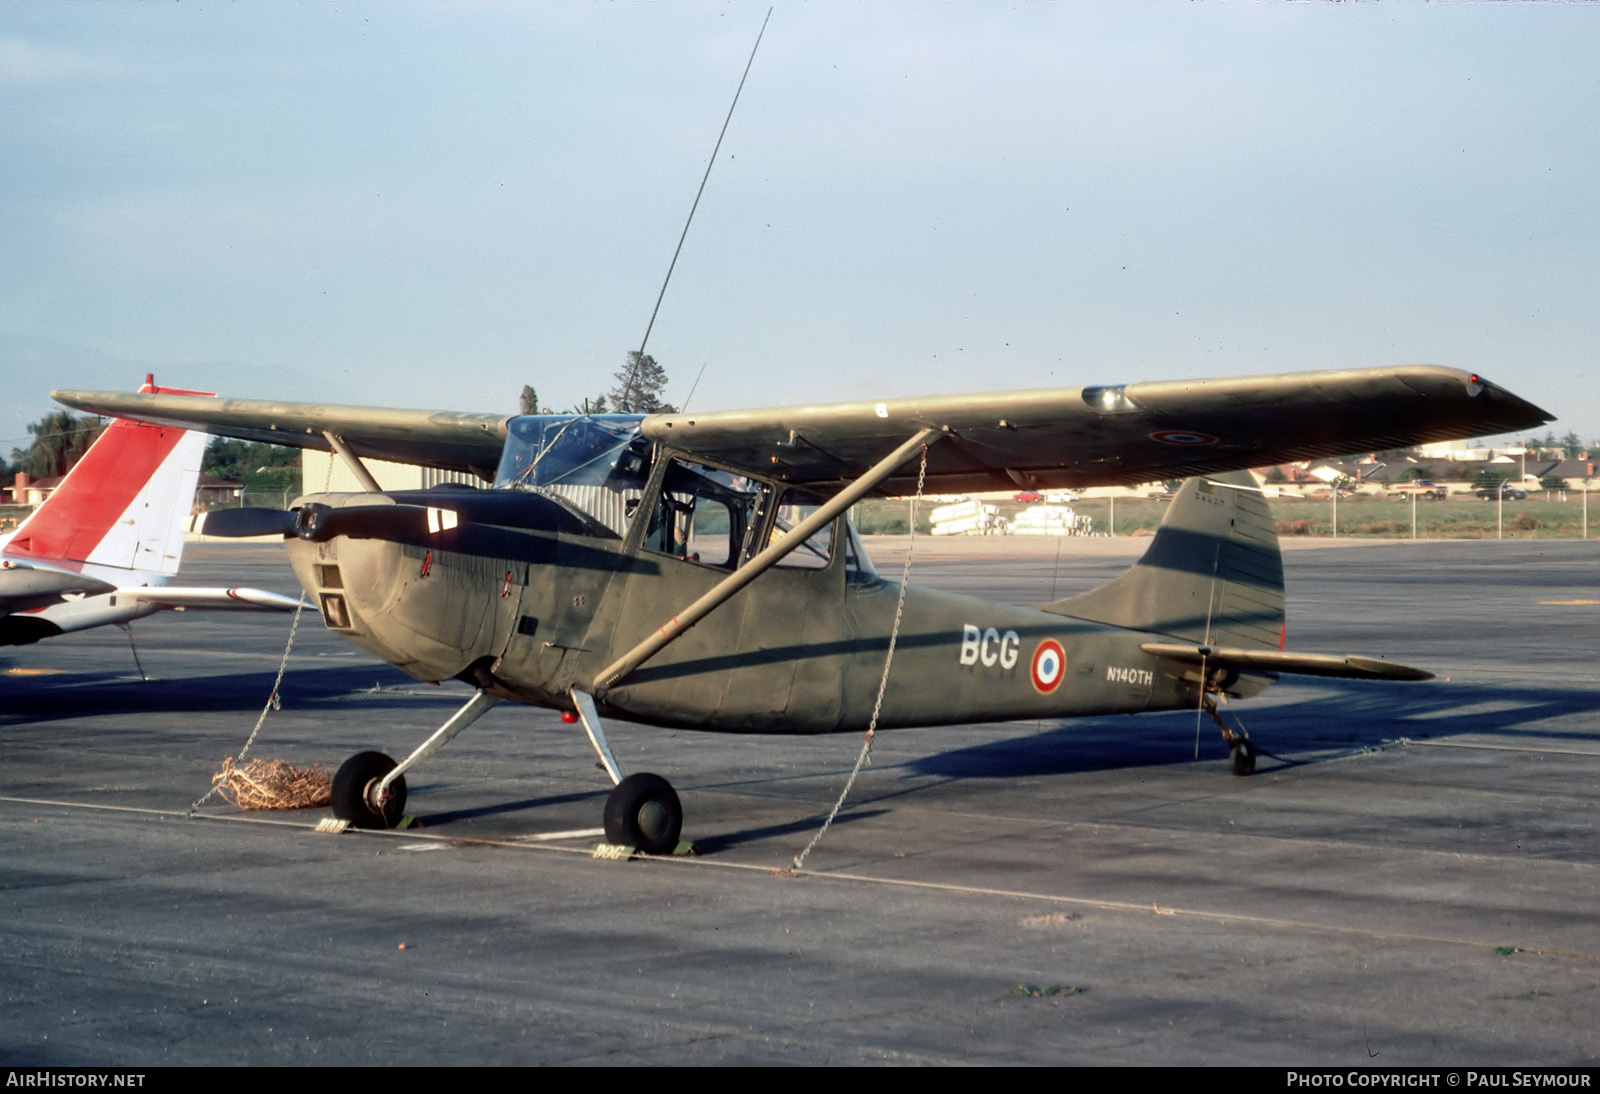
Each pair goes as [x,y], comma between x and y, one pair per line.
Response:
[369,790]
[1241,753]
[643,811]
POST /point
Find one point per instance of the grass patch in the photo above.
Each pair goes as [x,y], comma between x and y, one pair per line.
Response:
[1045,991]
[1538,517]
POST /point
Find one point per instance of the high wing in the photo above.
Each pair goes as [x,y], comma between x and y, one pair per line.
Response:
[1109,436]
[1062,437]
[429,438]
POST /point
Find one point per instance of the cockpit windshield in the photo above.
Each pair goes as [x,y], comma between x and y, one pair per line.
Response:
[595,463]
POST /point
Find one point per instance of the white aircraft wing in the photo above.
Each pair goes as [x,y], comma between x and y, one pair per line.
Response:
[185,598]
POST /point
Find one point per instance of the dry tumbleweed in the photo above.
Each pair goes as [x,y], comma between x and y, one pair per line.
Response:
[274,784]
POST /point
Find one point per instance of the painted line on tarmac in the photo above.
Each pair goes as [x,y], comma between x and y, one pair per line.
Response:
[571,833]
[1507,748]
[149,811]
[1154,908]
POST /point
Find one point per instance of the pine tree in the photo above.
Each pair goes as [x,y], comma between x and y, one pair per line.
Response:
[639,386]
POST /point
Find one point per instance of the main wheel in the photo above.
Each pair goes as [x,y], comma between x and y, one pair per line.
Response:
[357,777]
[1242,756]
[643,812]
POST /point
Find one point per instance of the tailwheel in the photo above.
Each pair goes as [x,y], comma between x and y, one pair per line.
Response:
[1241,756]
[355,785]
[643,813]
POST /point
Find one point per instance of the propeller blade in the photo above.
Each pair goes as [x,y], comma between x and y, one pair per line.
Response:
[240,523]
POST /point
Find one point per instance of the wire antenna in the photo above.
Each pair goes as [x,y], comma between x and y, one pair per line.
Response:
[633,373]
[684,409]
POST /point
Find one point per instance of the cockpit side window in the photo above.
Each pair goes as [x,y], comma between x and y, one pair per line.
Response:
[858,567]
[794,507]
[704,515]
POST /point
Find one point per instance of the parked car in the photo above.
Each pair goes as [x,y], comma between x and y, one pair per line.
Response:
[1029,496]
[1426,489]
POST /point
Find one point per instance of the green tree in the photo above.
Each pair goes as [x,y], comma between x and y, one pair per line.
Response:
[264,469]
[1488,479]
[639,386]
[529,402]
[60,439]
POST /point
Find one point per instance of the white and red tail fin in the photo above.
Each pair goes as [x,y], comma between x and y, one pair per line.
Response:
[124,504]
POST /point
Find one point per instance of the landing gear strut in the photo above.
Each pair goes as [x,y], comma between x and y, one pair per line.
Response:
[369,790]
[643,811]
[1241,753]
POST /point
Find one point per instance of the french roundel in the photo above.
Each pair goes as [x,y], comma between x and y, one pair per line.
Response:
[1049,665]
[1182,436]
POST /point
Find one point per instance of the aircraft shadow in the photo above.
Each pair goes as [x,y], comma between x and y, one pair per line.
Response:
[1358,715]
[725,841]
[705,845]
[78,694]
[454,816]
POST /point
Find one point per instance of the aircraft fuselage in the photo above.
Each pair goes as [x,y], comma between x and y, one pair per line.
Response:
[518,597]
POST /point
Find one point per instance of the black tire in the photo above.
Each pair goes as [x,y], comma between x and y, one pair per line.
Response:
[1242,757]
[350,785]
[643,813]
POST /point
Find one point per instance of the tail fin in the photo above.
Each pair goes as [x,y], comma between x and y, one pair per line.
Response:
[124,504]
[1213,573]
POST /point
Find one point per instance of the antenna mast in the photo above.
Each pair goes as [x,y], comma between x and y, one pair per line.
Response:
[627,389]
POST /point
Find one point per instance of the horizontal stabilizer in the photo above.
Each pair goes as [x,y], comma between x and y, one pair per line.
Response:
[1352,667]
[217,600]
[30,584]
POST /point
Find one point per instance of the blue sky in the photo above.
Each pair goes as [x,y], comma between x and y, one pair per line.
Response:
[430,205]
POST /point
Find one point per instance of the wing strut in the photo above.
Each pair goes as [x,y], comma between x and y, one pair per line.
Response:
[724,590]
[353,462]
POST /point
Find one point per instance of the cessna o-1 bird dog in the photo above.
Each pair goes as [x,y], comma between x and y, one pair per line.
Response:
[700,570]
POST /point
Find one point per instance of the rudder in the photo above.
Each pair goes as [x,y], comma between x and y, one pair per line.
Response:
[124,504]
[1213,573]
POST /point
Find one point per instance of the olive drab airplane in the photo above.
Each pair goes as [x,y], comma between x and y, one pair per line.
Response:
[101,547]
[700,570]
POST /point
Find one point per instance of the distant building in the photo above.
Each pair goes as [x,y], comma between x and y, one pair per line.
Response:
[324,472]
[213,492]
